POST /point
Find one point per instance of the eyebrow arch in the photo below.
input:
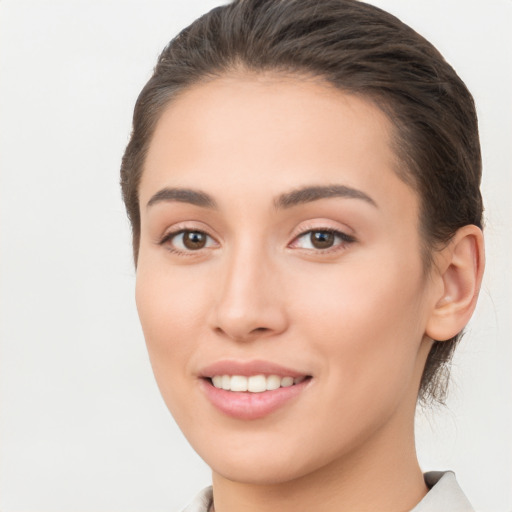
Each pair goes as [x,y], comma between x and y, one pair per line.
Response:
[183,195]
[314,193]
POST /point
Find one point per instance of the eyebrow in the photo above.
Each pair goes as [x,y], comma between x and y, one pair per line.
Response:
[183,195]
[302,195]
[309,194]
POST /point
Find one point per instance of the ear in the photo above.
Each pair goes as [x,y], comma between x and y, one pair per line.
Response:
[460,266]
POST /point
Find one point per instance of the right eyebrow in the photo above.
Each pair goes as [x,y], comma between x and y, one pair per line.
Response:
[183,195]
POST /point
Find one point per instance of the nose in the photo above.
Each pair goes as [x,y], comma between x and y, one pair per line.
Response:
[250,303]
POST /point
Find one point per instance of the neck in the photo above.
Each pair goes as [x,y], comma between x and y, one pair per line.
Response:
[381,476]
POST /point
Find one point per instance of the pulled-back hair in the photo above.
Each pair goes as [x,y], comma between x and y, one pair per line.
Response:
[359,49]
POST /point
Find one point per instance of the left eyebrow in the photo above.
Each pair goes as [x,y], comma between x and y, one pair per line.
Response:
[309,194]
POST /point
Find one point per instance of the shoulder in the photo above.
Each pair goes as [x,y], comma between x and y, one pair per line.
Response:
[444,494]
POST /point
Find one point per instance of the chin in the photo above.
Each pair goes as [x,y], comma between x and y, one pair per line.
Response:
[263,473]
[263,461]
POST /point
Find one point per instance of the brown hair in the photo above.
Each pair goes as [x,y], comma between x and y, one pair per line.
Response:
[359,49]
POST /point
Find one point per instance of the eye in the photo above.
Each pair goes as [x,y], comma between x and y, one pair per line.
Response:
[322,239]
[187,240]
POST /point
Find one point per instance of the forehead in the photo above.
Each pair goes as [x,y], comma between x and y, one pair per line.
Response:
[270,132]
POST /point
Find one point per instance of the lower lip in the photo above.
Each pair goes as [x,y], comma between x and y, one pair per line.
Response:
[251,406]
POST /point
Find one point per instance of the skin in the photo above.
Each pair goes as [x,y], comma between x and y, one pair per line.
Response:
[356,316]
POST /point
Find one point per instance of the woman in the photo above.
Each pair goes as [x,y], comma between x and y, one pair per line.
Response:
[303,186]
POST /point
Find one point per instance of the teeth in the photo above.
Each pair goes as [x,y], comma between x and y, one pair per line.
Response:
[238,383]
[255,383]
[217,381]
[273,382]
[286,382]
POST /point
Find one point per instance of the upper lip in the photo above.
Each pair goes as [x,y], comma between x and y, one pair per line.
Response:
[248,368]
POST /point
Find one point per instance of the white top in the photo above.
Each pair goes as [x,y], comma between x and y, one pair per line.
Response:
[445,494]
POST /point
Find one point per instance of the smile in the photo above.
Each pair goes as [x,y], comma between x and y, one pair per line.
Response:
[251,390]
[254,383]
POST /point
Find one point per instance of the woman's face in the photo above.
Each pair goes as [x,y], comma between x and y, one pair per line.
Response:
[278,245]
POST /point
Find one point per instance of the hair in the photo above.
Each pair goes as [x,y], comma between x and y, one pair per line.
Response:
[359,49]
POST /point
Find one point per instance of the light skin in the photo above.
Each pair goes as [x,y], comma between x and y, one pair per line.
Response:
[236,265]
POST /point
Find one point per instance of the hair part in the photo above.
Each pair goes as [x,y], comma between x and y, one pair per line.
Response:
[359,49]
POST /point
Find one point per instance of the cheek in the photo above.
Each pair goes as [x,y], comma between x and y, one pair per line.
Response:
[368,321]
[171,311]
[171,314]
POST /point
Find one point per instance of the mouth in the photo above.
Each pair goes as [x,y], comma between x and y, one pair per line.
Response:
[254,383]
[253,389]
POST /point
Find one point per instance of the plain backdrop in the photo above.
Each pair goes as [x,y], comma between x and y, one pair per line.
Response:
[82,424]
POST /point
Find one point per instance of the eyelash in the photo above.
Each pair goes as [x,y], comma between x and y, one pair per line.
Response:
[345,240]
[168,237]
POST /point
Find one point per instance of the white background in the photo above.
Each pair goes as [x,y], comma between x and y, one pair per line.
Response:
[82,425]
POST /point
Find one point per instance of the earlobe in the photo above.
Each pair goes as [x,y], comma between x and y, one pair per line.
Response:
[461,266]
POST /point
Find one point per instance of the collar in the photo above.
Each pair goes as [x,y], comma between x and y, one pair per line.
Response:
[444,494]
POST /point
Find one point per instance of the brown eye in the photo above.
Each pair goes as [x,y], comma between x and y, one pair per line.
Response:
[188,240]
[194,240]
[322,239]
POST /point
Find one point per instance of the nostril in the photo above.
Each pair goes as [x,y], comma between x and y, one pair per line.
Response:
[248,335]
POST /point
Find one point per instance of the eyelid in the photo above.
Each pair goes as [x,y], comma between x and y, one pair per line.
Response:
[322,224]
[179,227]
